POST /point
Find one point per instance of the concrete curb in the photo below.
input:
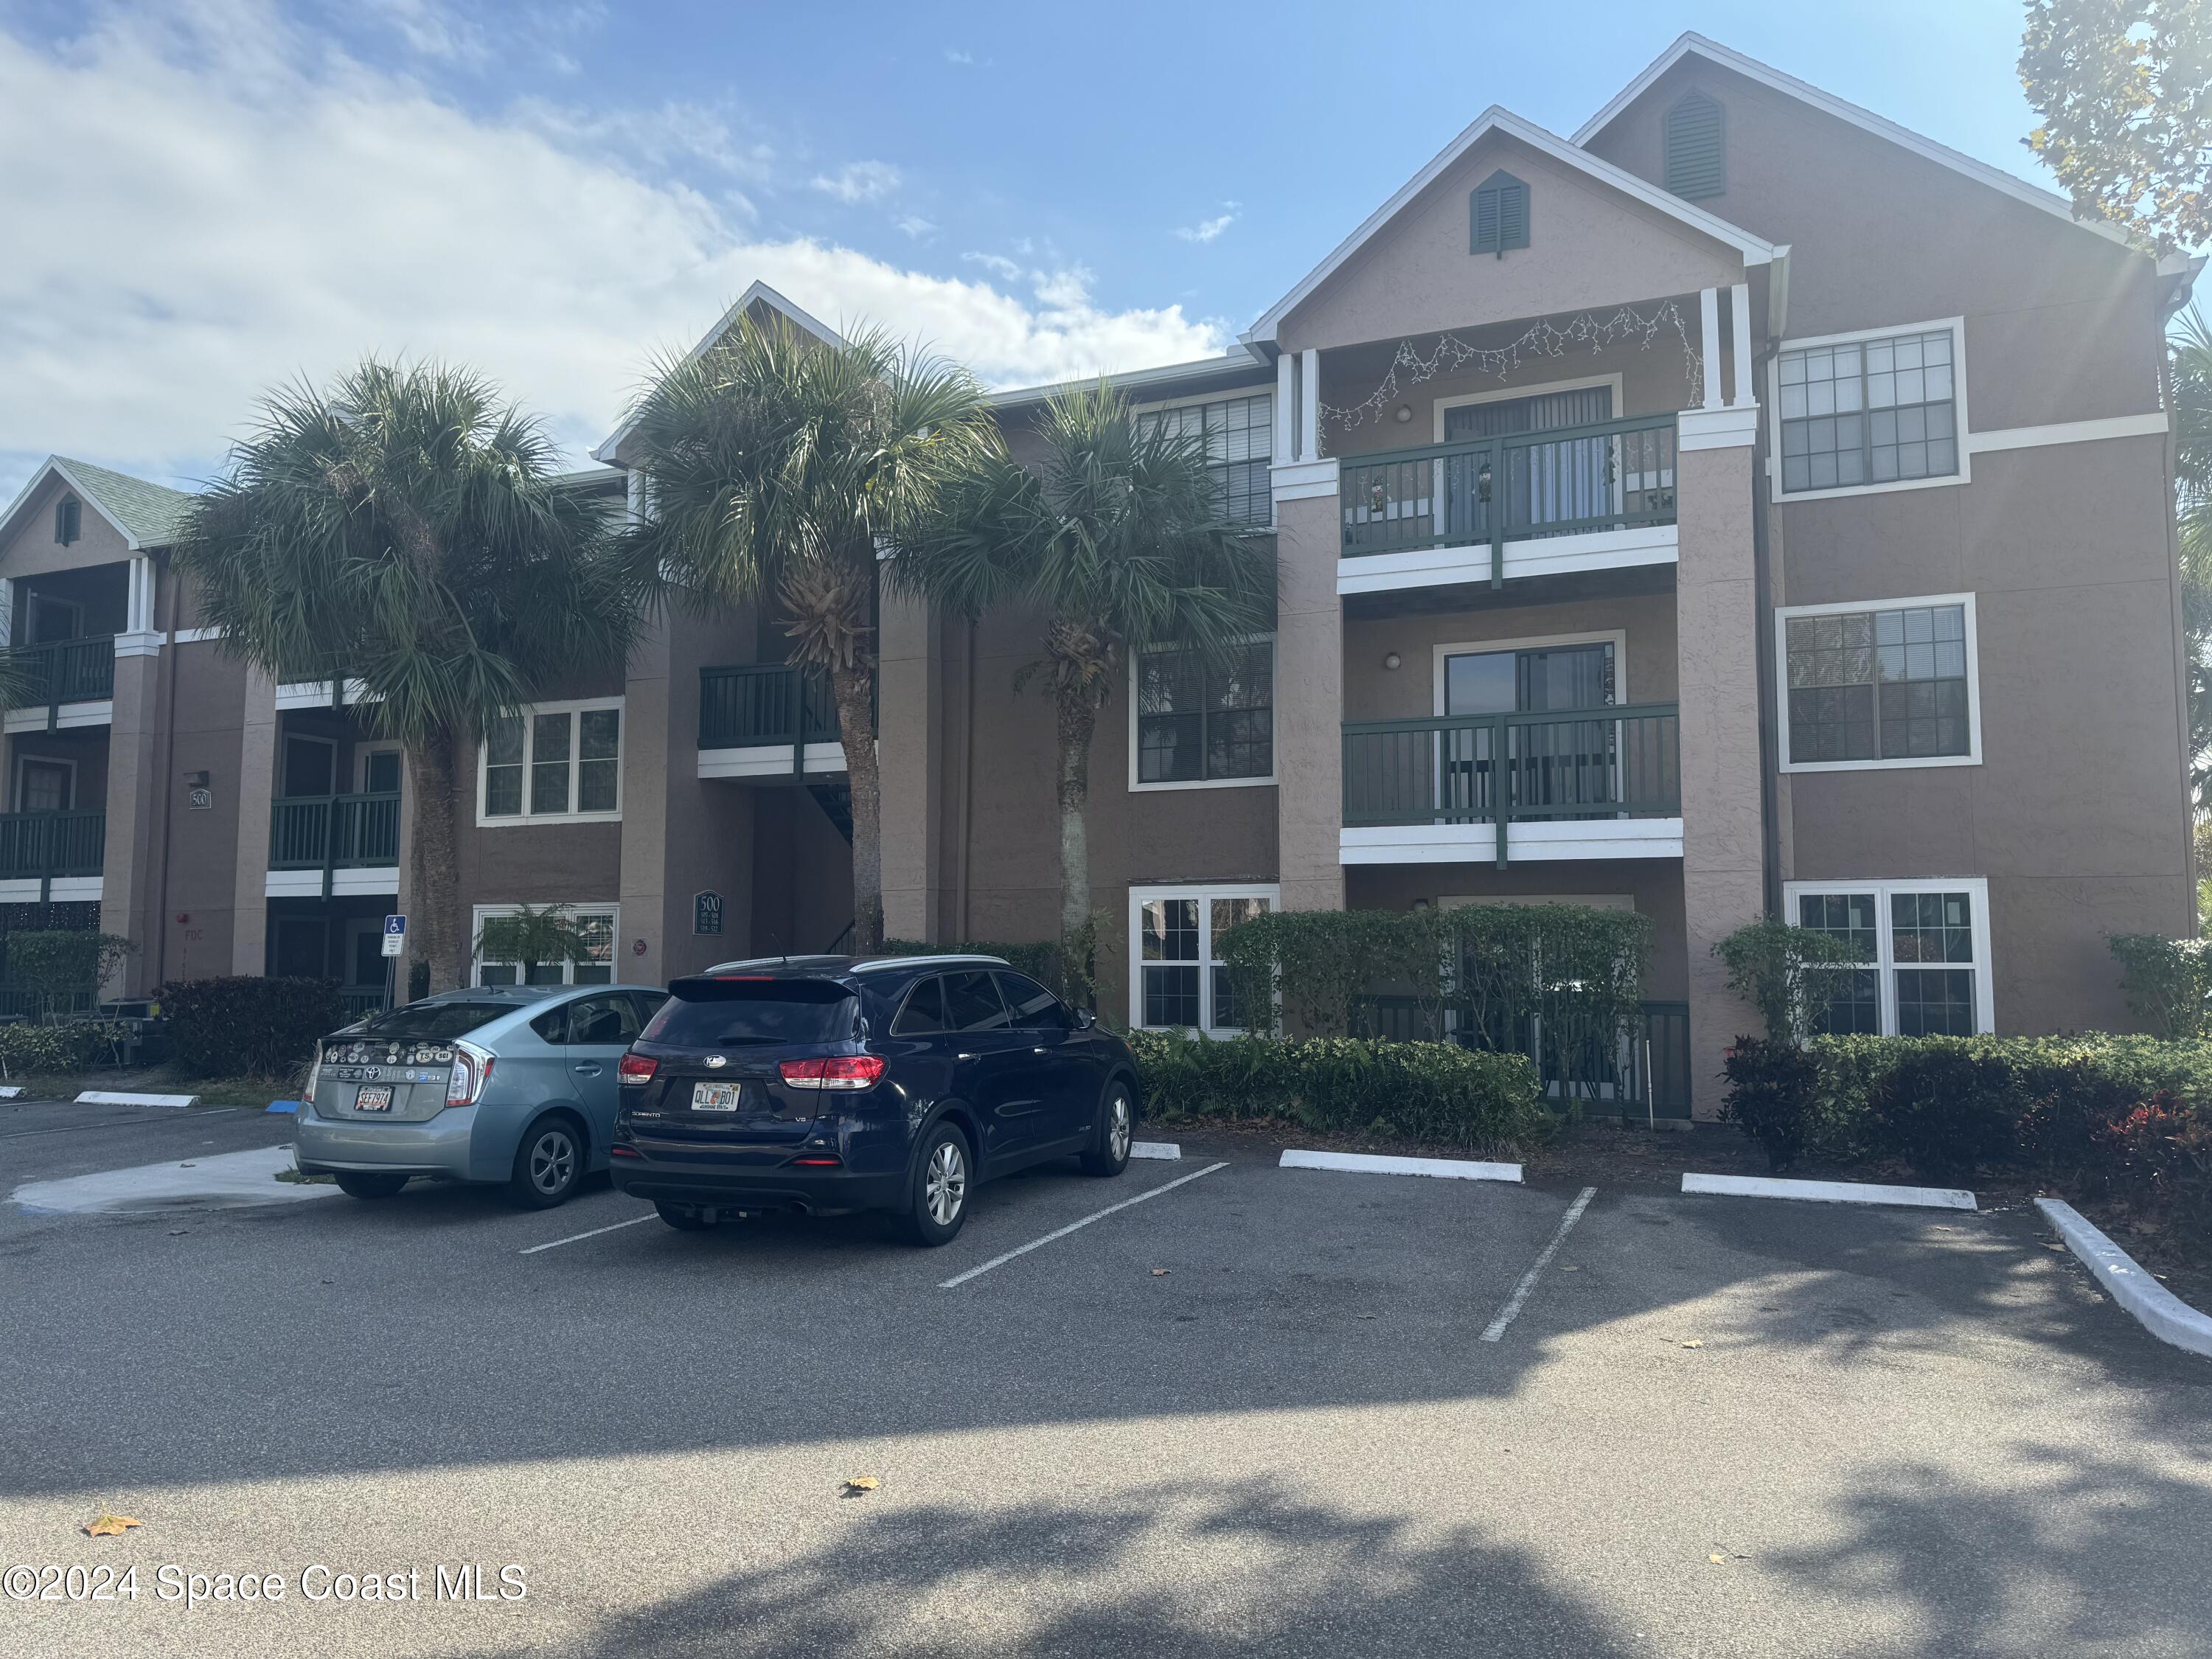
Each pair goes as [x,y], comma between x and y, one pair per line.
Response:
[2156,1309]
[110,1097]
[11,1092]
[1448,1169]
[1830,1192]
[1168,1151]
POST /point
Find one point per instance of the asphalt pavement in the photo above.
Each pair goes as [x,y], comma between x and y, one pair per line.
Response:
[1262,1408]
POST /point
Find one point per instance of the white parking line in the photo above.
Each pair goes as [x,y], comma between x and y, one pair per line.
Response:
[1506,1315]
[576,1237]
[1023,1250]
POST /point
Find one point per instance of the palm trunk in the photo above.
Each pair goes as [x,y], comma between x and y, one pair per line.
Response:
[1078,719]
[852,685]
[436,933]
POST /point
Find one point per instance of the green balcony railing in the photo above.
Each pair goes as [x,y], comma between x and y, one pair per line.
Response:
[66,671]
[1620,761]
[333,832]
[1565,481]
[753,706]
[48,844]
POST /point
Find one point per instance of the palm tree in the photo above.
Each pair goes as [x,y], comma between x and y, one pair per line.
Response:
[1115,542]
[404,528]
[533,936]
[776,464]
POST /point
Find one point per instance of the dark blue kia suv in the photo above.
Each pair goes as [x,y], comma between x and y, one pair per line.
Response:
[833,1083]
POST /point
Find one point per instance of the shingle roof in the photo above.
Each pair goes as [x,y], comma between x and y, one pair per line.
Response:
[151,512]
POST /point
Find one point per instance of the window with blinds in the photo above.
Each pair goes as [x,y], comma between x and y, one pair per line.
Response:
[1239,434]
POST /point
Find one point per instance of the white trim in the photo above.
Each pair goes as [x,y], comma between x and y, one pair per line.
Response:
[1448,1169]
[1140,788]
[1830,1192]
[61,889]
[1733,427]
[138,598]
[1885,960]
[16,782]
[759,290]
[1866,120]
[2153,425]
[1229,363]
[577,707]
[2154,1307]
[195,635]
[316,694]
[1753,250]
[360,882]
[69,717]
[1616,637]
[1203,892]
[1852,336]
[1852,607]
[1708,343]
[1477,843]
[144,643]
[771,760]
[1449,567]
[1741,393]
[611,910]
[1303,481]
[1548,388]
[380,746]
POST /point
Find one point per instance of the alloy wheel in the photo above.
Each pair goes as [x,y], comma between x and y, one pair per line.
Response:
[944,1185]
[552,1161]
[1117,1126]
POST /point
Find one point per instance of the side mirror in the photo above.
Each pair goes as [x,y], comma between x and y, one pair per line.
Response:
[1085,1020]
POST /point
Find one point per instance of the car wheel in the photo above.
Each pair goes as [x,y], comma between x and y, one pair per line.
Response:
[943,1176]
[356,1184]
[1117,1127]
[547,1165]
[683,1220]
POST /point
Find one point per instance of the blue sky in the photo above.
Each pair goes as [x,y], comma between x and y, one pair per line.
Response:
[230,193]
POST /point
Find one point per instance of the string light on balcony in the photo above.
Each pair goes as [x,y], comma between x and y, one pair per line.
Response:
[1588,332]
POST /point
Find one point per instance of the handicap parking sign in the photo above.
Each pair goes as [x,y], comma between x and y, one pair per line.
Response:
[395,936]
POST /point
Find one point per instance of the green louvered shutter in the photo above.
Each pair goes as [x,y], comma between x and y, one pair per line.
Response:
[1696,165]
[1498,215]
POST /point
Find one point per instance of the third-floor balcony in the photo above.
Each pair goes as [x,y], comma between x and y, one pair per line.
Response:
[66,683]
[321,845]
[766,721]
[1497,508]
[1603,782]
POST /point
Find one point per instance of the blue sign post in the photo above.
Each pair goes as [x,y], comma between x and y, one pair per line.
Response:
[395,946]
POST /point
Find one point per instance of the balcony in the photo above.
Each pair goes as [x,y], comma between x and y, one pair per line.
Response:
[51,855]
[1577,783]
[69,683]
[320,846]
[1553,502]
[766,721]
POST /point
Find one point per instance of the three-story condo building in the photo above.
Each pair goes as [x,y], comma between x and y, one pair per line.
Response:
[1746,506]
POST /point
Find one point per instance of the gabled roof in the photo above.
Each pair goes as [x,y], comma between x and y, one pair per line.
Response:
[1755,252]
[1866,120]
[146,515]
[759,293]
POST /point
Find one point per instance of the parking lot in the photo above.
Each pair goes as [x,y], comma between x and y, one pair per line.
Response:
[1319,1413]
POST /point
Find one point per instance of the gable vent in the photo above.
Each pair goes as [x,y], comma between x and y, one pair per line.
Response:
[1695,157]
[1498,215]
[69,519]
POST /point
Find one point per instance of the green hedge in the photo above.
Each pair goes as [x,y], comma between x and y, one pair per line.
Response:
[78,1046]
[248,1025]
[2133,1113]
[1429,1091]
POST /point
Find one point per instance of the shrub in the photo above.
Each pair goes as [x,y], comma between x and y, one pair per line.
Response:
[61,965]
[2167,982]
[1790,974]
[249,1025]
[1430,1092]
[1771,1096]
[1949,1111]
[74,1046]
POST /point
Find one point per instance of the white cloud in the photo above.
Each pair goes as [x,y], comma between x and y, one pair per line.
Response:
[230,205]
[859,181]
[916,226]
[954,55]
[997,264]
[1206,229]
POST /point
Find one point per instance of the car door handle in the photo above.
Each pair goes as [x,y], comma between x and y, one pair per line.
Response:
[963,1056]
[588,1068]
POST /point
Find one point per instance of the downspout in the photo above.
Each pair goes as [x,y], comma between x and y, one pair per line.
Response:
[1770,752]
[161,918]
[964,931]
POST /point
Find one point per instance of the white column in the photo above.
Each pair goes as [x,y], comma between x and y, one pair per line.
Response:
[1286,391]
[7,610]
[1709,343]
[1309,405]
[1740,315]
[138,603]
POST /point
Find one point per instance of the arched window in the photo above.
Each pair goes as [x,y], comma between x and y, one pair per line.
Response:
[1696,159]
[1498,215]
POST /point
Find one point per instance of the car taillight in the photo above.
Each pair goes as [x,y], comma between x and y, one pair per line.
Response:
[464,1084]
[636,1070]
[839,1071]
[314,1074]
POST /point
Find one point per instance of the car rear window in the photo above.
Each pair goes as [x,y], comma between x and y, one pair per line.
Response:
[434,1022]
[715,1013]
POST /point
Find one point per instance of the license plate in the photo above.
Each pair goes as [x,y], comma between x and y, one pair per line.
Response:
[374,1098]
[715,1096]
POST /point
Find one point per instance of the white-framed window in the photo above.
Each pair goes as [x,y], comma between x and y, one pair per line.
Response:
[598,923]
[1239,434]
[1875,409]
[1926,946]
[552,762]
[1196,725]
[1883,683]
[1177,980]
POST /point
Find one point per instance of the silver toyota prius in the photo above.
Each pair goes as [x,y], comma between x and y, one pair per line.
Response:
[499,1083]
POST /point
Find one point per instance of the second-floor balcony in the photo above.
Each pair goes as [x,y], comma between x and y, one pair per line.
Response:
[61,673]
[321,845]
[47,850]
[766,721]
[1604,782]
[1491,509]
